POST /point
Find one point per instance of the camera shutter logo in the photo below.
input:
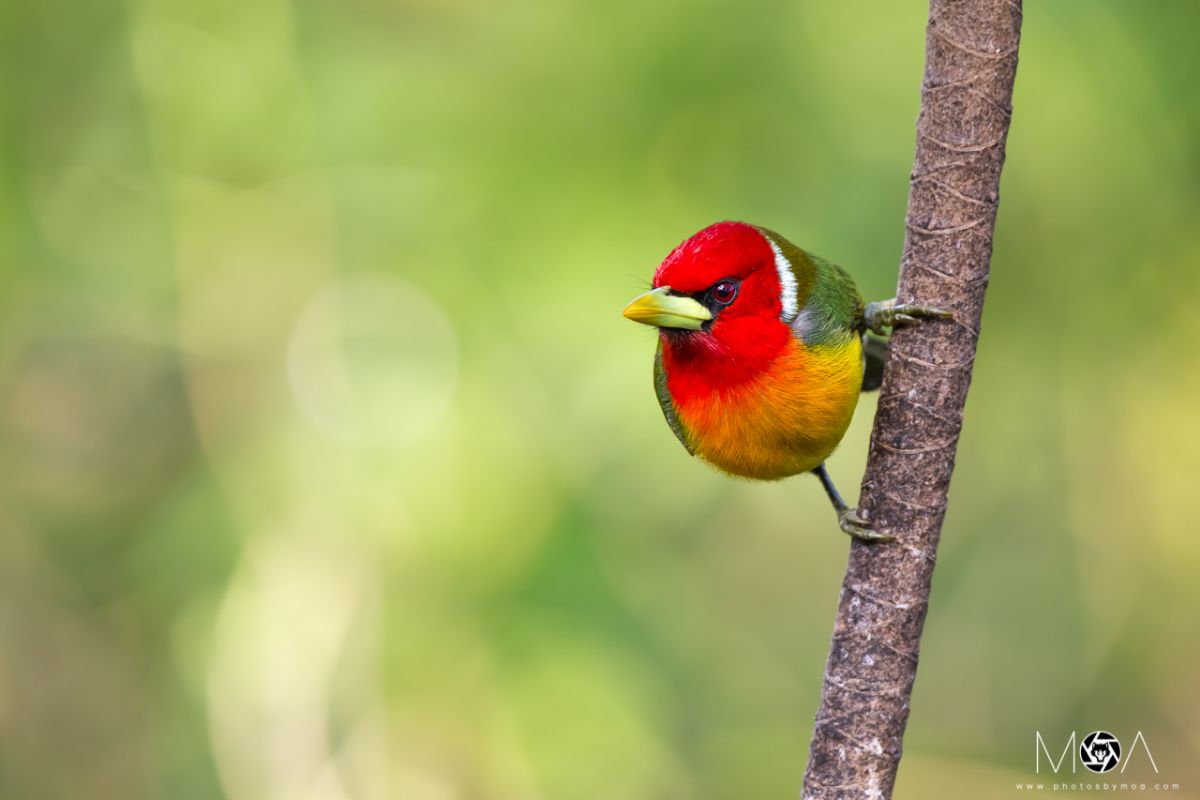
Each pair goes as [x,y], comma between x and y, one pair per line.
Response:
[1100,751]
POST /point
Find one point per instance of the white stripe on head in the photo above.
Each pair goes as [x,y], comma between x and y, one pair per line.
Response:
[787,284]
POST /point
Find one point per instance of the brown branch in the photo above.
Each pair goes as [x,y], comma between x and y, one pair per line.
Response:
[970,64]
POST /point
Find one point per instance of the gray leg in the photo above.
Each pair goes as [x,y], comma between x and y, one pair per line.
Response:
[848,519]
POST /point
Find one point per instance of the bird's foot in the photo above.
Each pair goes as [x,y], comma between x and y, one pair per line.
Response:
[850,522]
[880,316]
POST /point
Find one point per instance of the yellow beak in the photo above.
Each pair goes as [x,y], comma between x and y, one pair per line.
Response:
[662,309]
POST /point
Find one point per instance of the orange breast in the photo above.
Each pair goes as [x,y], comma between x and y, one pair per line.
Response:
[785,421]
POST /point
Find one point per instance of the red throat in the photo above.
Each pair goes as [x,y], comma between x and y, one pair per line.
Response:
[706,364]
[745,339]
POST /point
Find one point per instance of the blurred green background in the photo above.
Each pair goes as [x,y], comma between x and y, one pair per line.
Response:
[331,470]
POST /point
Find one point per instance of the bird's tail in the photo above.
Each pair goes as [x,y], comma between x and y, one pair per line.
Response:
[874,354]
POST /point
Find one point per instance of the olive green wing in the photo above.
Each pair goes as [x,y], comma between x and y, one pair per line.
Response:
[830,305]
[665,402]
[835,312]
[834,307]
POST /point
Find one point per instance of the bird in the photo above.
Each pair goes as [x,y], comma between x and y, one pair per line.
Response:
[763,350]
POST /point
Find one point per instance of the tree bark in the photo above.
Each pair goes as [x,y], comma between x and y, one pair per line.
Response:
[970,65]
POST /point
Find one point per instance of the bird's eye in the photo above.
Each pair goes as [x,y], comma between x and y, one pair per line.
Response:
[724,292]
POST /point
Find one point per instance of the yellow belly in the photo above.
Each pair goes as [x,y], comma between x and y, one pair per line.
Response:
[785,421]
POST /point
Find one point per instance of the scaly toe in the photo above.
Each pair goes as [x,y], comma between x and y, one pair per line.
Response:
[850,522]
[911,310]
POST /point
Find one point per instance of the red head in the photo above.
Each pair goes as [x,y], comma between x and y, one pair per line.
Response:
[723,301]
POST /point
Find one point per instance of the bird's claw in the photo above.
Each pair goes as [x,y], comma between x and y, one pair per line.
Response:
[850,522]
[880,316]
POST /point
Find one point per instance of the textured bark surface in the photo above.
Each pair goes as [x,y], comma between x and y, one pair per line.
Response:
[970,64]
